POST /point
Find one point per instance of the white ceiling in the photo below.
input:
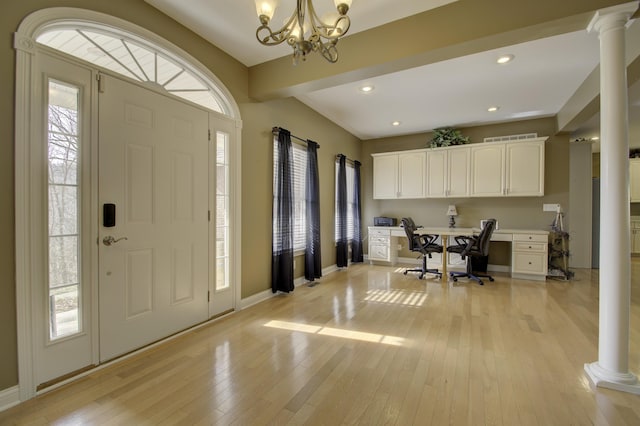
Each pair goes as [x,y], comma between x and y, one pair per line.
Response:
[457,92]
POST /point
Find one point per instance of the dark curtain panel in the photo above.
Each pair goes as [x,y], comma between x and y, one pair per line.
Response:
[342,253]
[356,243]
[282,246]
[312,260]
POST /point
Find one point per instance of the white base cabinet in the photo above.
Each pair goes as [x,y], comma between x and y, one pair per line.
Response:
[382,246]
[529,255]
[529,250]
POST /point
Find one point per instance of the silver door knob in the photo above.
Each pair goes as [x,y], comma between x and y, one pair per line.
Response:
[109,240]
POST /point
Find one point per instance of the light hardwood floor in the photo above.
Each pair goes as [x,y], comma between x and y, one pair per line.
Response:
[369,345]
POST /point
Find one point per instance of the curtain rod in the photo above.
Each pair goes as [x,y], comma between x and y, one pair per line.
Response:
[276,130]
[345,157]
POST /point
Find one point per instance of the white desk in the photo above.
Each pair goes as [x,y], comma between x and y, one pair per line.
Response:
[529,248]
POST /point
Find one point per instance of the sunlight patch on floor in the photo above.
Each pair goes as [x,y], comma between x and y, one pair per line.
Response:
[398,297]
[337,332]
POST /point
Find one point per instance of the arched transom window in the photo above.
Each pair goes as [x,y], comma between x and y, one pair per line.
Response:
[131,57]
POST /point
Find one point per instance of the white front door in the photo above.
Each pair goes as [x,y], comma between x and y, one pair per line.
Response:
[154,205]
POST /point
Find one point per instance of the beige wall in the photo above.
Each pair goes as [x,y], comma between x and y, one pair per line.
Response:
[520,212]
[256,153]
[634,208]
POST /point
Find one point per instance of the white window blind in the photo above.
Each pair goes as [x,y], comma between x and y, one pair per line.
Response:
[350,202]
[299,209]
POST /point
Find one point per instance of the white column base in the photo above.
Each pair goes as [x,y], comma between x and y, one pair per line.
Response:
[600,377]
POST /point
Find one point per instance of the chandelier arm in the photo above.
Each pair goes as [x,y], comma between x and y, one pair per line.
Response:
[277,37]
[336,30]
[328,51]
[328,31]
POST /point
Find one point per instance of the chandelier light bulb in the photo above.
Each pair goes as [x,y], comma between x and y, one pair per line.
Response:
[266,8]
[342,6]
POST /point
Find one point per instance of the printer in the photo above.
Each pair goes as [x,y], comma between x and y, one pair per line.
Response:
[385,221]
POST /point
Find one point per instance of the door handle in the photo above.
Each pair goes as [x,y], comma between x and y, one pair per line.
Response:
[109,240]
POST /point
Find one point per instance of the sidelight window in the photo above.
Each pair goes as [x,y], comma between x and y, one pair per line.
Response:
[222,211]
[64,273]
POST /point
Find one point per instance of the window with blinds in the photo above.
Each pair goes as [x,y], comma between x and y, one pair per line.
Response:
[299,209]
[350,202]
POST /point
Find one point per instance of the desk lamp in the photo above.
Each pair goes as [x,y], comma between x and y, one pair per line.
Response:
[452,213]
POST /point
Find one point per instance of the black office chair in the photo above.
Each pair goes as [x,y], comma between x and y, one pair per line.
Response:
[424,244]
[473,246]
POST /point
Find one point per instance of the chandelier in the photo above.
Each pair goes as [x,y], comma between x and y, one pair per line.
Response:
[304,31]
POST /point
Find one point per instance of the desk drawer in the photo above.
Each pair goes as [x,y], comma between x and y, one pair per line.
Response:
[379,233]
[529,246]
[377,239]
[543,238]
[530,263]
[379,252]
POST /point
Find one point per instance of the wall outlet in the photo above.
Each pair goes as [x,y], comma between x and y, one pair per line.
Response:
[399,247]
[550,207]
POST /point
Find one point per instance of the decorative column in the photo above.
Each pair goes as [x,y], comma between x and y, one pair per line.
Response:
[612,368]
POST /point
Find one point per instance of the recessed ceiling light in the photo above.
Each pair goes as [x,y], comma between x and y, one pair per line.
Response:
[395,123]
[493,108]
[366,89]
[505,59]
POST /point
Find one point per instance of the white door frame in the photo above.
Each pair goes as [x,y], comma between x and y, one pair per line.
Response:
[27,138]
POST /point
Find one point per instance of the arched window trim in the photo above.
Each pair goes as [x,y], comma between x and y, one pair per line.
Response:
[138,73]
[44,20]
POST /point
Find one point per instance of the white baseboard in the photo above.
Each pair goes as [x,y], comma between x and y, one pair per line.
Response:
[267,294]
[255,298]
[9,397]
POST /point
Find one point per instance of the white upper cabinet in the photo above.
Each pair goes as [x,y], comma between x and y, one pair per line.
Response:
[436,173]
[448,172]
[488,169]
[459,171]
[524,165]
[634,179]
[385,176]
[511,169]
[399,175]
[411,175]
